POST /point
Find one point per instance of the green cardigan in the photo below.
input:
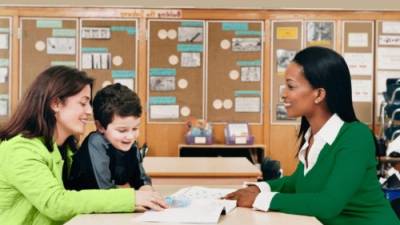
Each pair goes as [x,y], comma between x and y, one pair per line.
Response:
[32,191]
[342,188]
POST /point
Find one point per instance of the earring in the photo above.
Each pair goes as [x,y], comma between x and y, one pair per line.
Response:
[316,101]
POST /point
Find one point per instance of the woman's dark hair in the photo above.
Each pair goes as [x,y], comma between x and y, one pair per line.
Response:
[115,99]
[34,116]
[324,68]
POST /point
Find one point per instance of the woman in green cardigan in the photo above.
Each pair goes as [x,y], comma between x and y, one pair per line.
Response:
[335,180]
[35,147]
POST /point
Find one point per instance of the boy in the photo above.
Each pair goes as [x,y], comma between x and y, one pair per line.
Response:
[108,158]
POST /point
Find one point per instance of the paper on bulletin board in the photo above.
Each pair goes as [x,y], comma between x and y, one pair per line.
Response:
[359,63]
[61,46]
[4,62]
[63,63]
[388,58]
[126,82]
[3,74]
[361,90]
[164,111]
[391,27]
[287,33]
[389,40]
[3,41]
[357,40]
[3,105]
[247,104]
[162,100]
[49,23]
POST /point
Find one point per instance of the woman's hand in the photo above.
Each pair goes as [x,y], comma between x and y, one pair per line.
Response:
[245,197]
[149,200]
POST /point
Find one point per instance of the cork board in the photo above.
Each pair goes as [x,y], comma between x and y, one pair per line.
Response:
[108,51]
[46,42]
[287,39]
[387,65]
[175,73]
[358,43]
[235,71]
[5,67]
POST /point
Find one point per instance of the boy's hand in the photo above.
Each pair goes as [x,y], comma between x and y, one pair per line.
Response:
[149,200]
[124,185]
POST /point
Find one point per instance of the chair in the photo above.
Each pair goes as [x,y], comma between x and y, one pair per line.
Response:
[271,169]
[390,110]
[392,132]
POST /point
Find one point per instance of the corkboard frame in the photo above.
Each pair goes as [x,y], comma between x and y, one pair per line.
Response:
[47,60]
[364,110]
[256,117]
[106,74]
[6,88]
[179,97]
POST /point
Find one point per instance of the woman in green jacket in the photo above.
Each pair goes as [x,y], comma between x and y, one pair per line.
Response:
[35,147]
[335,180]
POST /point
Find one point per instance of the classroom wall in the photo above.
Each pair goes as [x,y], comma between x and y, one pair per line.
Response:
[222,4]
[163,138]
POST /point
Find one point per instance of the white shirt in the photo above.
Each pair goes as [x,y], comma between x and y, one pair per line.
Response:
[326,135]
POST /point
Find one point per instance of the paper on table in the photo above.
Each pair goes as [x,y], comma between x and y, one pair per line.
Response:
[196,213]
[205,207]
[215,194]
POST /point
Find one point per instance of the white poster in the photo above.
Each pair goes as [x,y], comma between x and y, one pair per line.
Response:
[164,111]
[3,74]
[3,105]
[130,83]
[61,46]
[87,62]
[389,40]
[362,90]
[359,63]
[357,40]
[391,27]
[247,104]
[388,58]
[3,41]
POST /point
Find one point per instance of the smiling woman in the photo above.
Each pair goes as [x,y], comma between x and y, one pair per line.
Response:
[335,179]
[35,153]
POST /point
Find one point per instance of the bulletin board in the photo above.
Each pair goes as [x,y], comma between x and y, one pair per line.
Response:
[5,66]
[358,51]
[46,42]
[235,71]
[387,57]
[108,51]
[175,70]
[287,40]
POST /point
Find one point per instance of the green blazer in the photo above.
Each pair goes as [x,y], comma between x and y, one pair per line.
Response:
[342,188]
[32,191]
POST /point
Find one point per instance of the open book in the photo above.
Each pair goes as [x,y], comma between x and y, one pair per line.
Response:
[200,205]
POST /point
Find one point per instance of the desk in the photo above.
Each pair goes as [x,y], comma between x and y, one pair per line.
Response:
[387,159]
[238,216]
[200,170]
[255,153]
